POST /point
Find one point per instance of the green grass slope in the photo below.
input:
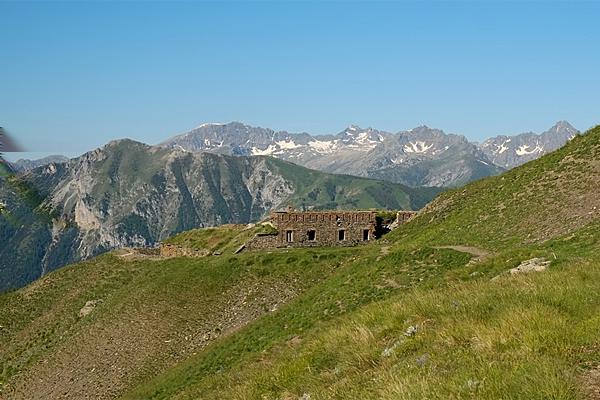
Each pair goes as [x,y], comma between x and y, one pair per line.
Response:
[148,316]
[225,238]
[553,195]
[405,317]
[423,325]
[319,190]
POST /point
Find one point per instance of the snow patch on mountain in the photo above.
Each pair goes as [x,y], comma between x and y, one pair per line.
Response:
[287,144]
[209,124]
[503,147]
[266,152]
[363,142]
[417,147]
[524,150]
[323,146]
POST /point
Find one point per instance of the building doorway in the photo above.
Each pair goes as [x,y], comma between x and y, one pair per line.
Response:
[341,235]
[289,236]
[365,234]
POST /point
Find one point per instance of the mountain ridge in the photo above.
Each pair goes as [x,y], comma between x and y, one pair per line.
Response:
[421,156]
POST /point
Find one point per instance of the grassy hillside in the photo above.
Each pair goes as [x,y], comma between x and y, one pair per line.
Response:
[530,204]
[149,315]
[319,190]
[406,317]
[226,238]
[424,325]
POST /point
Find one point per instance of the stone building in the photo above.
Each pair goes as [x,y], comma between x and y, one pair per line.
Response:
[330,228]
[317,228]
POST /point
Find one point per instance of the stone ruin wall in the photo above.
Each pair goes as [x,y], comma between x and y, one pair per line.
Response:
[146,251]
[404,216]
[326,226]
[263,242]
[173,250]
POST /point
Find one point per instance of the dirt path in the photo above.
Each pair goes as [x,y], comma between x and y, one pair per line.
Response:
[479,254]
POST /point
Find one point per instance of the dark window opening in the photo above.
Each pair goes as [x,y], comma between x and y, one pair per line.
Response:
[311,235]
[289,236]
[366,234]
[342,235]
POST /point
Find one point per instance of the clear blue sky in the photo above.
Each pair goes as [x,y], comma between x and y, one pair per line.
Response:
[76,75]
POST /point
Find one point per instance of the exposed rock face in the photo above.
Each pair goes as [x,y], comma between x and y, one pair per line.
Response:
[130,194]
[418,157]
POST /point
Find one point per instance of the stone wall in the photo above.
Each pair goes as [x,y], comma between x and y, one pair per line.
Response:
[263,241]
[147,251]
[405,216]
[316,229]
[328,228]
[173,250]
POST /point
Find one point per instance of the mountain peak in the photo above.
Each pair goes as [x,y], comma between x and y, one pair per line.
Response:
[421,128]
[206,124]
[562,126]
[352,129]
[124,144]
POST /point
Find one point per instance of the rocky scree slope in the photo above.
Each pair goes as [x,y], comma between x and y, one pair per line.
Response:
[131,194]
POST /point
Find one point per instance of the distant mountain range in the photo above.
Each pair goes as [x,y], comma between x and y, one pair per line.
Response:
[512,151]
[131,194]
[421,156]
[24,164]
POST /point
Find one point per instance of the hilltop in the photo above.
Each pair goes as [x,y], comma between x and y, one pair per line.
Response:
[430,311]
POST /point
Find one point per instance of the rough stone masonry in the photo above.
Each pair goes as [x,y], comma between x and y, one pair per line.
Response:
[320,228]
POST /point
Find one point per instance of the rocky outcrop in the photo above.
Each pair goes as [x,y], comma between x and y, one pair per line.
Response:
[533,265]
[89,307]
